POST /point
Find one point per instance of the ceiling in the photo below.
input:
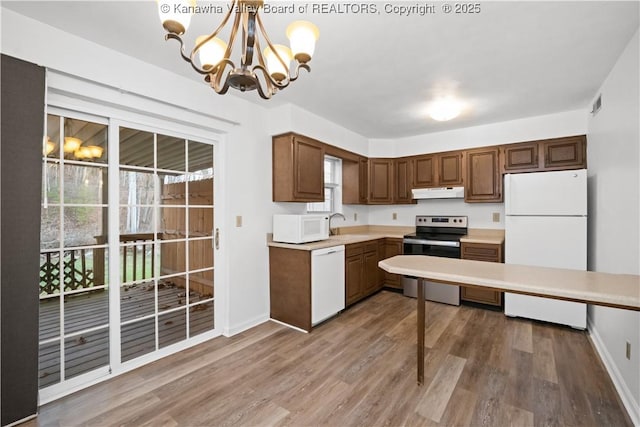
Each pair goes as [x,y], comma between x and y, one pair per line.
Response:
[375,74]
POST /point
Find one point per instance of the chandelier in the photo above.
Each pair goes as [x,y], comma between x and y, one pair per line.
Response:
[265,71]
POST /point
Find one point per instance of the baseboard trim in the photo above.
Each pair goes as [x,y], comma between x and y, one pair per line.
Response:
[229,332]
[289,326]
[24,420]
[632,407]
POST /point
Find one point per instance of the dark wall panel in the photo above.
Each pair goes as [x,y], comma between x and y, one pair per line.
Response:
[22,115]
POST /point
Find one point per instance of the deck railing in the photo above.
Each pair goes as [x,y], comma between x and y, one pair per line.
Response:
[85,268]
[78,273]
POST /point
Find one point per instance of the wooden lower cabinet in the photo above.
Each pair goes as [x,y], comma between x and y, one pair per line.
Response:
[392,247]
[290,286]
[361,271]
[482,252]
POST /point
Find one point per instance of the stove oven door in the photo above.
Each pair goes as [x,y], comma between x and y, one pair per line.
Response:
[438,292]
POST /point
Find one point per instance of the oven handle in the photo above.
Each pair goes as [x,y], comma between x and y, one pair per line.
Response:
[432,242]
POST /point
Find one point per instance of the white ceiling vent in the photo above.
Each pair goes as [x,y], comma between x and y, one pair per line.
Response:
[597,105]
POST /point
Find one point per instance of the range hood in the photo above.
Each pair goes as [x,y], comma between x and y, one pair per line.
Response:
[438,193]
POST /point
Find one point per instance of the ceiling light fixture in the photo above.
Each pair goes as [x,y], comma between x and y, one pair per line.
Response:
[273,65]
[445,108]
[73,149]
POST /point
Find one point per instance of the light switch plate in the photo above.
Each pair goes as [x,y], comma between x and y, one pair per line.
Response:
[239,221]
[355,216]
[496,217]
[394,216]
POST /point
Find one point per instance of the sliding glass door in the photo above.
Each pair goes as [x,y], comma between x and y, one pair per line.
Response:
[74,285]
[166,241]
[109,298]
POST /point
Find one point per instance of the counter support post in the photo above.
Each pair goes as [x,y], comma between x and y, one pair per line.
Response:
[420,328]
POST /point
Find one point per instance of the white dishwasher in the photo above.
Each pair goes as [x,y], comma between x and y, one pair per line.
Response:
[327,283]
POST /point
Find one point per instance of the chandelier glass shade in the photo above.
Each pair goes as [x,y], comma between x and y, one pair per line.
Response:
[261,66]
[73,149]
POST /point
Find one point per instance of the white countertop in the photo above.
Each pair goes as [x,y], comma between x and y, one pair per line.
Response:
[481,235]
[341,239]
[347,236]
[617,290]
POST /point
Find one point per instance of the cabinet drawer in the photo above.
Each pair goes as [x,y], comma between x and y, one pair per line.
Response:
[481,252]
[354,249]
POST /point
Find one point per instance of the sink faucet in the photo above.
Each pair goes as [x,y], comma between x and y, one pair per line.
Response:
[331,230]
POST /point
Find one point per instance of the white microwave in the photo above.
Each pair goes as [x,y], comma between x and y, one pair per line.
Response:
[300,228]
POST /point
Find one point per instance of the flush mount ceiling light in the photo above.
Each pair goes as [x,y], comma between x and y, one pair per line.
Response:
[445,108]
[272,70]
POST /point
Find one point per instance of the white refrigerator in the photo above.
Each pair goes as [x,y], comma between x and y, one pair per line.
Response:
[546,225]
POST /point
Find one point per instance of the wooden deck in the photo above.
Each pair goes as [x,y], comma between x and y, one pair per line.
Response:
[87,351]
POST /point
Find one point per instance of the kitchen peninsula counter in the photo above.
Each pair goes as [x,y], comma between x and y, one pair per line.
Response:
[612,290]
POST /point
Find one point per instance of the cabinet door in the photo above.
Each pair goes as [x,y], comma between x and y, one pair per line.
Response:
[350,182]
[363,182]
[482,296]
[450,169]
[521,157]
[381,256]
[380,181]
[424,174]
[565,153]
[481,252]
[484,180]
[392,247]
[403,181]
[309,170]
[370,272]
[297,169]
[354,278]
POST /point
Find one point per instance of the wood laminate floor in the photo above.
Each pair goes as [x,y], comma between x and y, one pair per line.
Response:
[482,369]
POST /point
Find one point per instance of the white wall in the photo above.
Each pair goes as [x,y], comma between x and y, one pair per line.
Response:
[614,216]
[480,214]
[246,168]
[291,118]
[532,128]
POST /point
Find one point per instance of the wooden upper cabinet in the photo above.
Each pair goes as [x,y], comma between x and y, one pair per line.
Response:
[363,181]
[350,182]
[523,157]
[484,180]
[424,174]
[298,169]
[380,181]
[438,170]
[546,155]
[565,153]
[450,169]
[403,178]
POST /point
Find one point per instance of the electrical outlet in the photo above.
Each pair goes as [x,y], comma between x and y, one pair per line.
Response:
[496,217]
[628,350]
[239,221]
[394,216]
[355,216]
